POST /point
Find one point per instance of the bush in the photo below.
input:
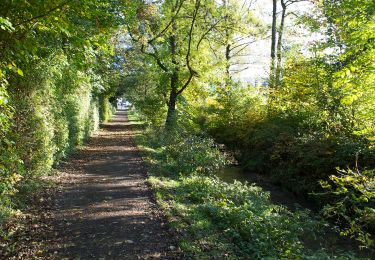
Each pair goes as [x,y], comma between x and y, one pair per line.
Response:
[299,145]
[11,167]
[352,203]
[237,219]
[52,114]
[217,219]
[294,146]
[182,153]
[44,115]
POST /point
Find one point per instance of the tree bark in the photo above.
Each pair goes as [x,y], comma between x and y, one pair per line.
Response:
[176,67]
[174,77]
[172,102]
[279,44]
[228,45]
[227,60]
[273,45]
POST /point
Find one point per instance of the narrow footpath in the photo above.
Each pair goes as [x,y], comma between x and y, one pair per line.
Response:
[105,209]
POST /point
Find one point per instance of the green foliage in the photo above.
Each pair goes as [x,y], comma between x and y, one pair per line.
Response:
[105,111]
[215,218]
[142,90]
[319,119]
[55,62]
[352,202]
[6,25]
[58,74]
[319,116]
[183,153]
[11,167]
[296,145]
[46,116]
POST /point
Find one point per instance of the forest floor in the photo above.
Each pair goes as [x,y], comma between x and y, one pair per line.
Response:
[102,208]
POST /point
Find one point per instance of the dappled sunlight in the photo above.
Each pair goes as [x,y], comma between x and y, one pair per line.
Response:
[254,121]
[105,205]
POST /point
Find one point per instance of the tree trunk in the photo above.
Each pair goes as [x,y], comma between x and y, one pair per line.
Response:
[273,45]
[227,64]
[227,48]
[279,44]
[172,103]
[174,78]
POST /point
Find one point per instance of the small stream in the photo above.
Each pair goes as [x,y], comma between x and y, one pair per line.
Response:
[231,173]
[278,195]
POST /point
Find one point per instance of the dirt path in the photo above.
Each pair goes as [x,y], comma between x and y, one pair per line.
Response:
[105,208]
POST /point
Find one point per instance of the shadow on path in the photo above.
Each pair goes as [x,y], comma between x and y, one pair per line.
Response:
[105,209]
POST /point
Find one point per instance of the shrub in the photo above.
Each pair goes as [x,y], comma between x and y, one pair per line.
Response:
[217,219]
[11,167]
[44,115]
[294,146]
[182,153]
[352,203]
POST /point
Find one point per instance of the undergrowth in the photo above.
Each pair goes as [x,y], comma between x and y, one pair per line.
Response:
[216,219]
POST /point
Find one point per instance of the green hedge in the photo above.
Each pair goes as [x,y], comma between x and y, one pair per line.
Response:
[49,111]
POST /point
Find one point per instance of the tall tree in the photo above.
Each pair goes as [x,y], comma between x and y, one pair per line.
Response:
[171,34]
[280,37]
[279,43]
[273,44]
[237,30]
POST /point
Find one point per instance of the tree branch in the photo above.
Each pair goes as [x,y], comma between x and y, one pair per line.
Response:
[155,55]
[242,44]
[45,14]
[238,71]
[191,70]
[207,32]
[168,25]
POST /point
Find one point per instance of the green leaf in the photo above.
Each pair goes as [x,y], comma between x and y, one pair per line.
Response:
[20,72]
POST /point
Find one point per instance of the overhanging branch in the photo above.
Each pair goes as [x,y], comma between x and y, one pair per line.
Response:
[192,72]
[45,14]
